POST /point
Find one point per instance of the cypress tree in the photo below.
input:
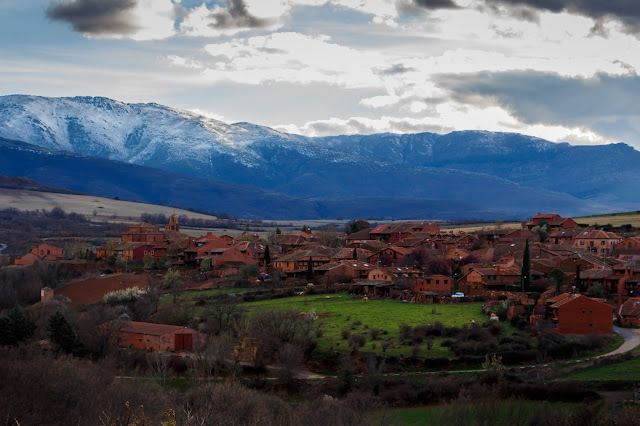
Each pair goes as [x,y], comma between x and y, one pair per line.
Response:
[525,274]
[310,269]
[355,253]
[267,255]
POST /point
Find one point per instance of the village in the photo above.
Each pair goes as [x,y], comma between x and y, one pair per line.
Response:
[577,279]
[336,311]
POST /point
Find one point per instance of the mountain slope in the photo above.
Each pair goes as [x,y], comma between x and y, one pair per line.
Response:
[511,173]
[97,176]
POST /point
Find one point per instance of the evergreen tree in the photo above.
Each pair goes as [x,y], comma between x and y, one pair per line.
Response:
[205,265]
[578,283]
[355,253]
[310,269]
[6,331]
[305,229]
[267,255]
[62,335]
[278,231]
[525,275]
[22,325]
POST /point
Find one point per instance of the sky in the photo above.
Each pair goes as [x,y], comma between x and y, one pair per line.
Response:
[562,70]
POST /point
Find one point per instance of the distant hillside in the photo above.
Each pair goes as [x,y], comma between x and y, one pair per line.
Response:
[108,178]
[19,182]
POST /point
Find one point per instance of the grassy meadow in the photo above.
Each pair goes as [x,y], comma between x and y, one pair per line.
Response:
[625,370]
[345,312]
[501,412]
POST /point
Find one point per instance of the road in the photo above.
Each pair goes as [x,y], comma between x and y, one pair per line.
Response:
[631,341]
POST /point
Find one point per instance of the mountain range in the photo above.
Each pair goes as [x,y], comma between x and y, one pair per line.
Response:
[155,153]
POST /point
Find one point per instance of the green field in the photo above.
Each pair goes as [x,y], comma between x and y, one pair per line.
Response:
[501,412]
[625,370]
[345,312]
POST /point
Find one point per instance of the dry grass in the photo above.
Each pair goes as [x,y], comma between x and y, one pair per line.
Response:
[105,208]
[616,219]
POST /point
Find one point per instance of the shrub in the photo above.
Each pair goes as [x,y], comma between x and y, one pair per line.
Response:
[346,334]
[358,340]
[125,295]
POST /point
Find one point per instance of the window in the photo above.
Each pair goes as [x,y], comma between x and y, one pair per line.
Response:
[437,281]
[581,242]
[602,243]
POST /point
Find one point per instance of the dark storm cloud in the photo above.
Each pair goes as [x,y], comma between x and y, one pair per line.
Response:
[626,12]
[236,15]
[436,4]
[95,17]
[546,98]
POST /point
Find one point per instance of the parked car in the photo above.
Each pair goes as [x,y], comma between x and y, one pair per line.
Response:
[458,294]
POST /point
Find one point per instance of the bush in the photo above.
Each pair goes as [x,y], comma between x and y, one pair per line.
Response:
[125,295]
[346,334]
[358,340]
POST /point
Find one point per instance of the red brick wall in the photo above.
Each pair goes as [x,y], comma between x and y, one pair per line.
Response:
[585,316]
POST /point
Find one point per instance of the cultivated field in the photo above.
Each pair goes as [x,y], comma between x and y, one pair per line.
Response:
[105,208]
[92,290]
[616,219]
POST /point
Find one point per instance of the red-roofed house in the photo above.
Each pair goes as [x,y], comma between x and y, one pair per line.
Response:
[41,252]
[389,256]
[440,284]
[578,314]
[629,312]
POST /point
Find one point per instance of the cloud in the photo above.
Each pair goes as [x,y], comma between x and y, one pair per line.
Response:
[436,4]
[290,58]
[363,126]
[96,17]
[605,103]
[135,19]
[627,12]
[236,15]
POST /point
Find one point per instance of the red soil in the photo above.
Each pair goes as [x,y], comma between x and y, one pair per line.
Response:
[92,290]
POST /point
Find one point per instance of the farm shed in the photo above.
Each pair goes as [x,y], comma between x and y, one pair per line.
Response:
[158,337]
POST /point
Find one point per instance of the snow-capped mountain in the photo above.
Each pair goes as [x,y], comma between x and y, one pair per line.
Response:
[497,171]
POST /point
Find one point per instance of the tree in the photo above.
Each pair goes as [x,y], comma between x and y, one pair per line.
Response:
[267,255]
[439,266]
[62,335]
[22,325]
[148,262]
[525,273]
[356,226]
[578,280]
[172,279]
[278,231]
[596,291]
[542,230]
[355,253]
[305,228]
[310,269]
[557,276]
[6,331]
[205,265]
